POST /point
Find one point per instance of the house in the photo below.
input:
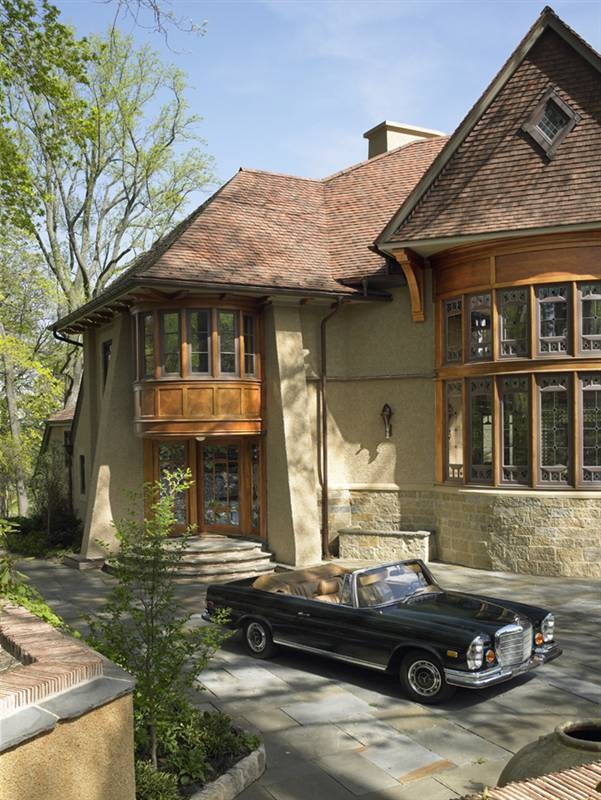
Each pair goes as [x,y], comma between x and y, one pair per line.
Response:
[411,343]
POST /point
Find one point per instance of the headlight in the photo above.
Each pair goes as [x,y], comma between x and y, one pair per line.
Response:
[475,653]
[548,627]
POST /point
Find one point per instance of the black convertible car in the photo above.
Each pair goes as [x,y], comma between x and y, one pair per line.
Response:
[393,618]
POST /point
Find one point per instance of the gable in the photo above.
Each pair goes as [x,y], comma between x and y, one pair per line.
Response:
[498,179]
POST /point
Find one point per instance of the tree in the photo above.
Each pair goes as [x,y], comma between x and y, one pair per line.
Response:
[107,195]
[30,390]
[40,55]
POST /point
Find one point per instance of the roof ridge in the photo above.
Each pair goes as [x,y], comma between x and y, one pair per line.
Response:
[379,157]
[278,174]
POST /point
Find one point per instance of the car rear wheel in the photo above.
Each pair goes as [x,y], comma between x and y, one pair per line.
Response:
[422,678]
[258,638]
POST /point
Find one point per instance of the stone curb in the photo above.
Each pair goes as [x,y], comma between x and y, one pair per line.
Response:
[236,779]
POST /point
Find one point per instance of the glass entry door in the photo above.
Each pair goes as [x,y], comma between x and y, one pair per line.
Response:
[228,487]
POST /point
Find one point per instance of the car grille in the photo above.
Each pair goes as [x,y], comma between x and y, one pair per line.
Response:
[513,644]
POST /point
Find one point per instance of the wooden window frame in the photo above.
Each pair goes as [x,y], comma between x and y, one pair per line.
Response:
[580,300]
[187,343]
[549,146]
[237,373]
[581,467]
[467,343]
[161,366]
[500,324]
[569,351]
[569,482]
[460,478]
[502,481]
[141,328]
[445,332]
[467,456]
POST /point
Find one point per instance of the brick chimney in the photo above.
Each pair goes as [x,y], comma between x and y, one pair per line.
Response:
[388,135]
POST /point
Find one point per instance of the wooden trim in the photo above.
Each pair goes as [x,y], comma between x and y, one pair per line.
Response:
[215,364]
[497,435]
[413,269]
[577,416]
[184,344]
[467,455]
[534,431]
[507,367]
[440,430]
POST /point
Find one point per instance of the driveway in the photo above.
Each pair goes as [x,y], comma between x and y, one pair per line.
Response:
[333,731]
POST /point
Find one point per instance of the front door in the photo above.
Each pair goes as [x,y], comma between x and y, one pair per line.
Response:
[228,487]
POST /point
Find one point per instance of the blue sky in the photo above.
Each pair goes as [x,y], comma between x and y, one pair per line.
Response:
[291,86]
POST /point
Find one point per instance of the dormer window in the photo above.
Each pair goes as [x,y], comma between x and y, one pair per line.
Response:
[550,122]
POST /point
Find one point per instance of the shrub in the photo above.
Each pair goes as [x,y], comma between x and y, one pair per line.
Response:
[53,516]
[142,628]
[154,785]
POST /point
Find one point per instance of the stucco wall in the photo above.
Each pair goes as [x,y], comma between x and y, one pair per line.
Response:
[87,758]
[115,461]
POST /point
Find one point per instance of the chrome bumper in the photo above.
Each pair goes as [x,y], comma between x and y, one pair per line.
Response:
[493,675]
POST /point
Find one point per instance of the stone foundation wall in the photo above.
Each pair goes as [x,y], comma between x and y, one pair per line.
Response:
[534,533]
[384,545]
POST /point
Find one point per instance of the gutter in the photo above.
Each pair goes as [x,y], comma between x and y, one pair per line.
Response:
[325,521]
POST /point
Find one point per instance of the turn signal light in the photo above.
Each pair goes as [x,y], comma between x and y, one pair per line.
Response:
[539,639]
[490,656]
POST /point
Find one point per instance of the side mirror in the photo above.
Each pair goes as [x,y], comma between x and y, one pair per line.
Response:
[346,595]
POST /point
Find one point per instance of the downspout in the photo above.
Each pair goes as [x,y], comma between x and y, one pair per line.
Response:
[325,522]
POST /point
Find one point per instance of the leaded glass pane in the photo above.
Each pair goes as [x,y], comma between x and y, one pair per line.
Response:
[453,331]
[553,120]
[249,345]
[172,457]
[148,345]
[255,497]
[590,294]
[481,430]
[515,409]
[553,319]
[591,427]
[454,421]
[514,322]
[200,338]
[554,429]
[227,329]
[221,469]
[170,344]
[480,327]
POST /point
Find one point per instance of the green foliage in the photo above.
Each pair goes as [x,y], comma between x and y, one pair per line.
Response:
[15,587]
[198,746]
[154,785]
[52,512]
[142,628]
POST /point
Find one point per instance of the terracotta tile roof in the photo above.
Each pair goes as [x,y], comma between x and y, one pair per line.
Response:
[572,784]
[497,180]
[360,200]
[263,229]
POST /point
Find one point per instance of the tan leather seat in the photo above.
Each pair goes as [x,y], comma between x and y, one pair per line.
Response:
[372,589]
[284,582]
[329,591]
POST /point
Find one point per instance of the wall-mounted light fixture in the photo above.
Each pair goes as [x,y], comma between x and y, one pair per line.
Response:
[386,415]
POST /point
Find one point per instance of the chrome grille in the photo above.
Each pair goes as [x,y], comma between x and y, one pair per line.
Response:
[513,644]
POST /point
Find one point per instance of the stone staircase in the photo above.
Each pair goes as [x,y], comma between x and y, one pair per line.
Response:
[212,558]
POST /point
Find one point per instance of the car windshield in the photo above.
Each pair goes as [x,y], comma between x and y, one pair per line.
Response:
[392,583]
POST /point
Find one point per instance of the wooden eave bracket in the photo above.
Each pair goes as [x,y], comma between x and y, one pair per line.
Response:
[413,269]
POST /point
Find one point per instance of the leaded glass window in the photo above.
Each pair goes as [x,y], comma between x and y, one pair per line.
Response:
[554,435]
[147,337]
[591,427]
[514,322]
[255,495]
[553,315]
[221,473]
[480,327]
[453,331]
[515,416]
[481,430]
[454,428]
[553,120]
[174,456]
[227,329]
[170,342]
[590,295]
[199,323]
[250,346]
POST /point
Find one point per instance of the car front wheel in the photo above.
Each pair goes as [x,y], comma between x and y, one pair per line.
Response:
[422,677]
[258,638]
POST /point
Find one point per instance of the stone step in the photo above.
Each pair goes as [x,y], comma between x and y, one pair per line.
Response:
[220,544]
[220,578]
[255,567]
[225,557]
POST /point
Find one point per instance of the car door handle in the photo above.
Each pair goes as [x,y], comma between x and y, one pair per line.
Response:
[302,614]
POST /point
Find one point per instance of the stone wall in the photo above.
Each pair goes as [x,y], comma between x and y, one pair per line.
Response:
[538,533]
[384,546]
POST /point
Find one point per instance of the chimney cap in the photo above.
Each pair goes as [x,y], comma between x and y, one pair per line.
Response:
[403,127]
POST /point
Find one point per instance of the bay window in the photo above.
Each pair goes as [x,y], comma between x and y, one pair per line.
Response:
[591,427]
[514,322]
[554,429]
[227,336]
[553,319]
[515,425]
[170,343]
[199,341]
[590,311]
[454,430]
[453,331]
[480,327]
[481,430]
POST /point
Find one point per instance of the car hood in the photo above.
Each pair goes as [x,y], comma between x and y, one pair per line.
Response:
[457,609]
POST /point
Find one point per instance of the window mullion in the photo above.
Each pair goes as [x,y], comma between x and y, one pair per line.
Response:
[242,365]
[577,428]
[497,442]
[183,343]
[534,430]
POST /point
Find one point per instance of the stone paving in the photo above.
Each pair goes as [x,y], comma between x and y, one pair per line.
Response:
[339,732]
